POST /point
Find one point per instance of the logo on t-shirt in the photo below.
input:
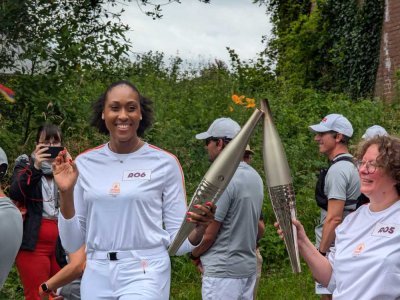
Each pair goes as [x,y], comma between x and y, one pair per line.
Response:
[360,248]
[136,175]
[386,230]
[115,189]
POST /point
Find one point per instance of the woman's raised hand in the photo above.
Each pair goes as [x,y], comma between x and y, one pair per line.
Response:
[65,171]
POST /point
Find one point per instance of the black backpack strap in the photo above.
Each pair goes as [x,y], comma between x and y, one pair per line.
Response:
[320,197]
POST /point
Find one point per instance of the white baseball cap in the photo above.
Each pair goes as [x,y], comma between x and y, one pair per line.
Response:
[334,122]
[221,128]
[373,131]
[248,149]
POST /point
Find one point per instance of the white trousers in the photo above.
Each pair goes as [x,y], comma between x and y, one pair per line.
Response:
[214,288]
[144,277]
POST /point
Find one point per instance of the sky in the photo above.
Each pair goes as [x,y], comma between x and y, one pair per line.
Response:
[200,32]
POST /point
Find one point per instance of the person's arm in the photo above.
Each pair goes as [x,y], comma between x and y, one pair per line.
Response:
[72,227]
[261,229]
[70,272]
[203,219]
[333,218]
[65,175]
[24,179]
[174,208]
[318,264]
[208,239]
[211,233]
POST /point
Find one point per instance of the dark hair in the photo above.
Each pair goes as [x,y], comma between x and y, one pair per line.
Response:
[344,140]
[3,170]
[389,155]
[51,131]
[145,108]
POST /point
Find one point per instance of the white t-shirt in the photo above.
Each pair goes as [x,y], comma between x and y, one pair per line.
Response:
[366,256]
[134,201]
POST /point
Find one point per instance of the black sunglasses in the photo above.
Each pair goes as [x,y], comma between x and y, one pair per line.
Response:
[211,138]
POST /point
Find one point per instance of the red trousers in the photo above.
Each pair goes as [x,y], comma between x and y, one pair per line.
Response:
[35,267]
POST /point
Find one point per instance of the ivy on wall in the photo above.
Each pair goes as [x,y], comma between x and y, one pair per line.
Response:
[355,31]
[327,44]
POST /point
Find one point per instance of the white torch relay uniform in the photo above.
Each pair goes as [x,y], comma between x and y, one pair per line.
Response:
[366,256]
[132,204]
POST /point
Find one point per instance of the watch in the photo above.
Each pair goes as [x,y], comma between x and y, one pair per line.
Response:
[45,288]
[192,257]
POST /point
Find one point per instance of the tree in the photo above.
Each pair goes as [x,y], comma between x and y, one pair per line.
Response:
[48,46]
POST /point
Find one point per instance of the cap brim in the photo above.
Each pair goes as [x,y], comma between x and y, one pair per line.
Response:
[202,136]
[319,128]
[364,136]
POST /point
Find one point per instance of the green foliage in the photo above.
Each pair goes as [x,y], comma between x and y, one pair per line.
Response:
[354,32]
[186,102]
[330,45]
[62,36]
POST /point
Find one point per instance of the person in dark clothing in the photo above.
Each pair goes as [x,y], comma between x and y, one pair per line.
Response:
[33,186]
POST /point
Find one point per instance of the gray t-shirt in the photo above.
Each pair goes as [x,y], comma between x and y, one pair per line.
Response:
[10,236]
[342,182]
[233,253]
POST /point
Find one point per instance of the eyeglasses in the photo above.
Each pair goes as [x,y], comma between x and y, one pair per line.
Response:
[371,166]
[211,138]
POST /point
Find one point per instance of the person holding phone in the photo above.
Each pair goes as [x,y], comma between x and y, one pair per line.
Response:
[33,185]
[126,201]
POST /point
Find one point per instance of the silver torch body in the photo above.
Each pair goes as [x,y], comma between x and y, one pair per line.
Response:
[280,185]
[217,177]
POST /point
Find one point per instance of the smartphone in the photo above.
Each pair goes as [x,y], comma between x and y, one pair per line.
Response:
[54,150]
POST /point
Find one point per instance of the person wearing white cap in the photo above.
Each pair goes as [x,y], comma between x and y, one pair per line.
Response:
[227,254]
[338,186]
[373,131]
[10,227]
[247,158]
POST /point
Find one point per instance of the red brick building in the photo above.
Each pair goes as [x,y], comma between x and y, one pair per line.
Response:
[389,57]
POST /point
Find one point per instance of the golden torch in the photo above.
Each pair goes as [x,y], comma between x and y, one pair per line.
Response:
[280,187]
[217,177]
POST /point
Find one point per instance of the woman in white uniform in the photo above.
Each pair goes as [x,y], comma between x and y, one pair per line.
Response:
[365,262]
[126,200]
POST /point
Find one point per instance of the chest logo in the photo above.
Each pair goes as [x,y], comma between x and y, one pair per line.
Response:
[136,175]
[115,189]
[359,249]
[386,230]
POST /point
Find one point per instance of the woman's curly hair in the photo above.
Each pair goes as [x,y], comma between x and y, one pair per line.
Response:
[389,155]
[146,108]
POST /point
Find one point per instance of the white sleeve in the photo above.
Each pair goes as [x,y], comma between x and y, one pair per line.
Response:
[73,231]
[332,281]
[174,203]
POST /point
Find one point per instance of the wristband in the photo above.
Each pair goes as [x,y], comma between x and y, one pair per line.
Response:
[192,257]
[322,253]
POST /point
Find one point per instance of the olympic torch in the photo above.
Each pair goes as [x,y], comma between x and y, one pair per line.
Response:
[280,186]
[217,177]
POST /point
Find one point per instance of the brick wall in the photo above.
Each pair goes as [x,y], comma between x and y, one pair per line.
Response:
[389,57]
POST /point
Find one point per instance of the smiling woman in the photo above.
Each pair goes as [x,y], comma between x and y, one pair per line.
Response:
[365,261]
[126,205]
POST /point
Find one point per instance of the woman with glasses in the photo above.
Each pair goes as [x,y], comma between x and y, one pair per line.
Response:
[126,205]
[365,262]
[33,186]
